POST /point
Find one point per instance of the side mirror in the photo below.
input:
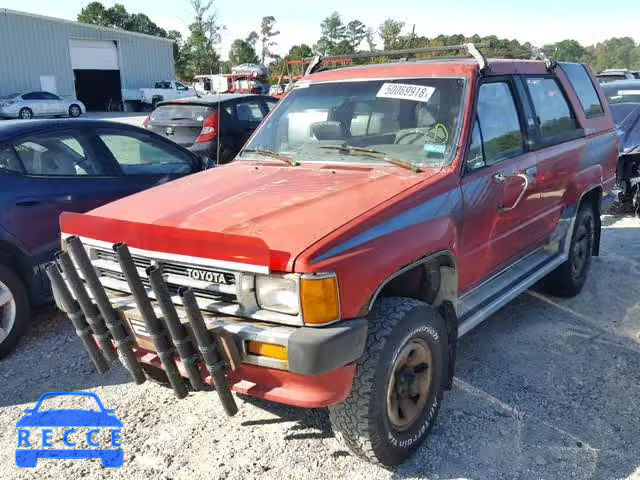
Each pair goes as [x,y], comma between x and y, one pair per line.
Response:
[206,162]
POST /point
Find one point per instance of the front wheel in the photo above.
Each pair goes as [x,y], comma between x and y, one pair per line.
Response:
[25,113]
[568,279]
[398,383]
[14,310]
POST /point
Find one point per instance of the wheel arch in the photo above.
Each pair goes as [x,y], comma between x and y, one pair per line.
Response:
[416,281]
[401,283]
[15,259]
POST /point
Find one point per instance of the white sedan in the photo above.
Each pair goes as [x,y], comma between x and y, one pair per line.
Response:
[39,104]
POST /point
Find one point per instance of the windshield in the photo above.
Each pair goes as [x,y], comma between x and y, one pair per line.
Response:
[411,120]
[622,94]
[11,95]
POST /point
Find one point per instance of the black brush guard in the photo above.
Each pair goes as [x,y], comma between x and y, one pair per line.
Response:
[101,322]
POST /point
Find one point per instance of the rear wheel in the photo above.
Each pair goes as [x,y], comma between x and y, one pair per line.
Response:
[14,310]
[568,279]
[75,111]
[398,384]
[25,113]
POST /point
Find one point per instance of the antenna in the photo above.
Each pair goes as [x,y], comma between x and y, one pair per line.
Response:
[219,135]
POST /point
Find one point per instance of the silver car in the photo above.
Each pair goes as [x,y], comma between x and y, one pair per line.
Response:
[38,104]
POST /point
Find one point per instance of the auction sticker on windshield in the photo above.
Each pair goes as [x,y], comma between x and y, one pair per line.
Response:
[405,91]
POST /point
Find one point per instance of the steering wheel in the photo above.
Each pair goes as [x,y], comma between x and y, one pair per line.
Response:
[416,133]
[438,134]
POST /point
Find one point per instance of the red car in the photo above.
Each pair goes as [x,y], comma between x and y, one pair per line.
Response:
[377,214]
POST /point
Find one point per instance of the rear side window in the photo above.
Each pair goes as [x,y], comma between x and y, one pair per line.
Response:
[554,115]
[583,86]
[497,134]
[142,154]
[249,111]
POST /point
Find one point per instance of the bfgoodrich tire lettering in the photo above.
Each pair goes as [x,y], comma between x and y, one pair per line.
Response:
[362,423]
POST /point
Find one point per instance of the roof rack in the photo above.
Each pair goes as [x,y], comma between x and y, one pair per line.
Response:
[470,48]
[539,54]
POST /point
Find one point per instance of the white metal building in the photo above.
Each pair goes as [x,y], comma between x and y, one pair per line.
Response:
[89,62]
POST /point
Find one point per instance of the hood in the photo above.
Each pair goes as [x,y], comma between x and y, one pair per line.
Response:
[627,119]
[289,208]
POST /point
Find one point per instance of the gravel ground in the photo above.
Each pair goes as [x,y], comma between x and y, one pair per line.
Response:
[547,388]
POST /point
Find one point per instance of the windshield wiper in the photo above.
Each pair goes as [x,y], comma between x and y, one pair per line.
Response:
[369,152]
[269,153]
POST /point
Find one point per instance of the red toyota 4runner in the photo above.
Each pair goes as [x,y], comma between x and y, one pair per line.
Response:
[377,214]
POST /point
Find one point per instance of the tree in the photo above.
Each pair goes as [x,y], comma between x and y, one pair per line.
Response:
[267,33]
[252,39]
[371,39]
[118,17]
[299,52]
[201,56]
[96,14]
[355,33]
[565,51]
[621,52]
[390,31]
[333,32]
[242,52]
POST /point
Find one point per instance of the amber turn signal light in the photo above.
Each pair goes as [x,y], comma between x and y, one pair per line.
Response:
[267,350]
[319,299]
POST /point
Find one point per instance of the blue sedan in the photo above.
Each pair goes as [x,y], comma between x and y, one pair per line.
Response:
[51,166]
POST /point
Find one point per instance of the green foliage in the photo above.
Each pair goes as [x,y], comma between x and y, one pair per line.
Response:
[242,52]
[566,51]
[118,17]
[267,33]
[338,38]
[200,49]
[299,52]
[389,32]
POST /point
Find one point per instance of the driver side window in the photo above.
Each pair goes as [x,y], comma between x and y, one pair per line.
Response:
[497,134]
[58,154]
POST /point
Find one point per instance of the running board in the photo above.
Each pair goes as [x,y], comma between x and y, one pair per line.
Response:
[477,305]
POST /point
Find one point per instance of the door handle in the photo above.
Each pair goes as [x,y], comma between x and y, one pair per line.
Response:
[30,201]
[531,173]
[525,186]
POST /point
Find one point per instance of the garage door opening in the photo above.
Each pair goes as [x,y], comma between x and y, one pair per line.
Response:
[99,90]
[96,72]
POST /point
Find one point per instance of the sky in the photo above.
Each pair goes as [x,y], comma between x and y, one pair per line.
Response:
[538,22]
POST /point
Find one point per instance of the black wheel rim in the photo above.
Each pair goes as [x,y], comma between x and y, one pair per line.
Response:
[581,247]
[410,384]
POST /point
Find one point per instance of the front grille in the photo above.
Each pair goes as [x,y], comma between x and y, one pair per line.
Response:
[220,293]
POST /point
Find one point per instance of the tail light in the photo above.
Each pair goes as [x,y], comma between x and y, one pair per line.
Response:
[209,128]
[146,121]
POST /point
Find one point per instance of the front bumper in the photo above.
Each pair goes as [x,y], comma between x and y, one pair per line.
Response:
[9,112]
[317,370]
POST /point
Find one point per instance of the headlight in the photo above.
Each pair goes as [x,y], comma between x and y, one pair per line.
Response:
[315,296]
[278,294]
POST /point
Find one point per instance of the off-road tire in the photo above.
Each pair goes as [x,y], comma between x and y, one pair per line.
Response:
[360,422]
[22,319]
[74,110]
[25,113]
[566,281]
